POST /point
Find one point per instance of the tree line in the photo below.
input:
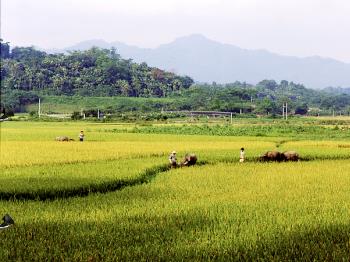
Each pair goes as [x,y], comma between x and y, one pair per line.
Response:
[27,73]
[265,98]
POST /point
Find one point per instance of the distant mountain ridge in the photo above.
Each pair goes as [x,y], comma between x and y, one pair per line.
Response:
[207,61]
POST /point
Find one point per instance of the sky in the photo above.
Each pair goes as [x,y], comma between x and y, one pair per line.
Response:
[289,27]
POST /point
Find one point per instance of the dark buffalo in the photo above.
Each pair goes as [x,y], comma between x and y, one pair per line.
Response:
[189,160]
[272,156]
[63,138]
[290,156]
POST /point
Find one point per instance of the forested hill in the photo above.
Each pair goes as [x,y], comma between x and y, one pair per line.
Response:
[27,73]
[95,72]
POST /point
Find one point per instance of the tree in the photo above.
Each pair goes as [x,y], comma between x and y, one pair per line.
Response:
[125,88]
[4,49]
[301,109]
[284,84]
[266,106]
[27,55]
[268,84]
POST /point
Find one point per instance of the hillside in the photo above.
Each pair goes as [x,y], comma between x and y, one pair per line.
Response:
[27,72]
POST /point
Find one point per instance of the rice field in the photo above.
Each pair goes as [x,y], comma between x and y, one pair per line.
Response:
[113,197]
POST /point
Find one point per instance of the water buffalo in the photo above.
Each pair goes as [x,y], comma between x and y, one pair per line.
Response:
[272,156]
[63,138]
[189,160]
[290,156]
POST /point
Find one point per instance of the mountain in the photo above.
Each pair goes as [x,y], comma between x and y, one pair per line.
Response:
[88,44]
[206,60]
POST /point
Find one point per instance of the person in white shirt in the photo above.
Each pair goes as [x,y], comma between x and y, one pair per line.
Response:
[81,136]
[241,155]
[172,159]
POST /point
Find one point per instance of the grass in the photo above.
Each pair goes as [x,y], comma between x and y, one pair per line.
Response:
[69,104]
[244,212]
[295,130]
[79,179]
[113,198]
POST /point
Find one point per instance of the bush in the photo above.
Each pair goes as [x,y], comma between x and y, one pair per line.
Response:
[76,115]
[7,113]
[33,113]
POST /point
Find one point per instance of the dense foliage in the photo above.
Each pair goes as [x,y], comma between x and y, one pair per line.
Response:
[96,72]
[267,97]
[337,90]
[27,73]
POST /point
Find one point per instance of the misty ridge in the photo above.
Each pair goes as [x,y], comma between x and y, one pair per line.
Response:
[210,61]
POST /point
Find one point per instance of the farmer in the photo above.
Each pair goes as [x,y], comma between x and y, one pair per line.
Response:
[172,159]
[186,160]
[81,136]
[241,155]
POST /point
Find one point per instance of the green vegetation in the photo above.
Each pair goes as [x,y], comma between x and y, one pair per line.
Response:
[256,213]
[42,182]
[271,130]
[70,104]
[93,79]
[113,198]
[266,98]
[96,72]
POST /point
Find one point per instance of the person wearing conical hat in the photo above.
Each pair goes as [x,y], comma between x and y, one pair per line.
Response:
[172,159]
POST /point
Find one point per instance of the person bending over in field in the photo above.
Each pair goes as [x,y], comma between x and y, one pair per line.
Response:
[172,159]
[81,136]
[241,155]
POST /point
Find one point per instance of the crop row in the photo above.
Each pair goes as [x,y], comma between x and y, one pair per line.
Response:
[271,130]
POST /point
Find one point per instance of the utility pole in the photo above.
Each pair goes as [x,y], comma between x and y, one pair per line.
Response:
[98,113]
[82,113]
[39,110]
[285,111]
[231,118]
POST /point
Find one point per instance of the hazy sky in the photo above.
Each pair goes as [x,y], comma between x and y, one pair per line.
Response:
[291,27]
